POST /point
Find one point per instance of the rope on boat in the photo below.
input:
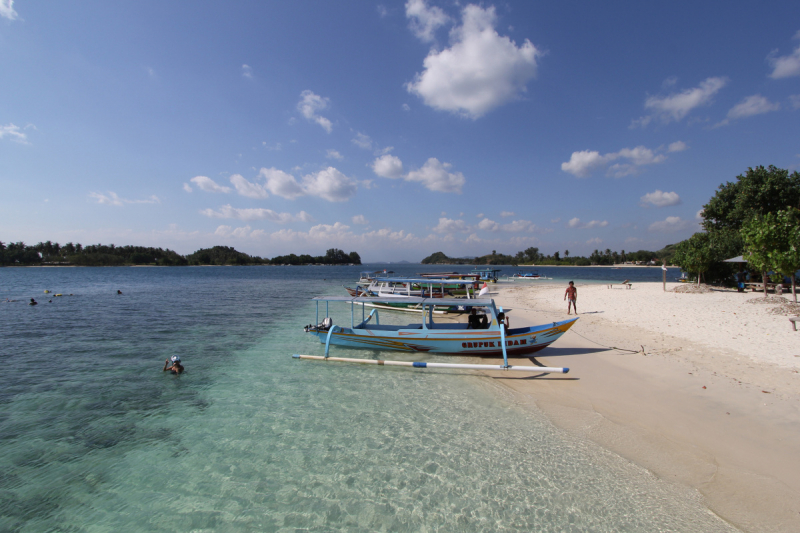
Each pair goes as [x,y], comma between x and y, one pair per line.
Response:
[571,330]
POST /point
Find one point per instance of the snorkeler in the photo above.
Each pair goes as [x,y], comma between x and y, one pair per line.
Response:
[176,367]
[33,302]
[119,291]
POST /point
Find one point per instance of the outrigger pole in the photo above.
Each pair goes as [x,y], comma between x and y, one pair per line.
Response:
[422,364]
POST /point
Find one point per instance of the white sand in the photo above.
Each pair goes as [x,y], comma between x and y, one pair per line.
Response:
[721,319]
[713,403]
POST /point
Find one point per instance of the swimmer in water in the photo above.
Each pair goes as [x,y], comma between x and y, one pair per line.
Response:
[176,367]
[119,291]
[33,302]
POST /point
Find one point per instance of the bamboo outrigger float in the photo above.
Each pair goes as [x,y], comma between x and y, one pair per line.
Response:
[493,339]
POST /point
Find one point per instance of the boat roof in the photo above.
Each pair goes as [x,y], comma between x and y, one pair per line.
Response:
[486,269]
[431,281]
[474,302]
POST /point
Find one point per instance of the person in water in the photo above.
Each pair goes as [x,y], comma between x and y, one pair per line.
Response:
[173,364]
[119,291]
[33,302]
[572,293]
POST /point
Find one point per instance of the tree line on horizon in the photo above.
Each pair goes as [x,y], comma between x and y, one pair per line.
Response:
[50,253]
[532,256]
[757,217]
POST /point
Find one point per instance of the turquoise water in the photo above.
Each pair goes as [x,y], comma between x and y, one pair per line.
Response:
[95,437]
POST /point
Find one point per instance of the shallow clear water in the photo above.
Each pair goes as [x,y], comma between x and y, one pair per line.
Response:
[95,437]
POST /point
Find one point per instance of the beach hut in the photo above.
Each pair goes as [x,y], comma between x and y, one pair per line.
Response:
[740,276]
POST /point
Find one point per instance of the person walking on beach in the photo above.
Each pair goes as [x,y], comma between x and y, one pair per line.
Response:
[572,294]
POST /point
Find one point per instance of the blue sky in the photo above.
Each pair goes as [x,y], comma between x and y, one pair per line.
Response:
[395,129]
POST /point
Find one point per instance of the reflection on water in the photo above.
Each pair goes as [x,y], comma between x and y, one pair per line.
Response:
[95,437]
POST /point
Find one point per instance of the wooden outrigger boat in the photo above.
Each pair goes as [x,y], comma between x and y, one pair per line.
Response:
[396,292]
[486,274]
[526,276]
[368,276]
[440,338]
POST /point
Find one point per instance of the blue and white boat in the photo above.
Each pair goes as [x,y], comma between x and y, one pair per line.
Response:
[442,337]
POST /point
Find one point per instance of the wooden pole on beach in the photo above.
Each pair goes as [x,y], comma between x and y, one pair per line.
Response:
[664,273]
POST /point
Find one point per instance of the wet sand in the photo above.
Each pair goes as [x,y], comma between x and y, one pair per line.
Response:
[698,395]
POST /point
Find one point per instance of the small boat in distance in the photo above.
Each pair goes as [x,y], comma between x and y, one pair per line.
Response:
[368,276]
[486,274]
[526,276]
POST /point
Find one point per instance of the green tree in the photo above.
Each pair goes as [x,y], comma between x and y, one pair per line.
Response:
[759,191]
[695,255]
[772,242]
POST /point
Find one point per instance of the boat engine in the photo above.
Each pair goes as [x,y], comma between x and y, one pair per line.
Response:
[325,325]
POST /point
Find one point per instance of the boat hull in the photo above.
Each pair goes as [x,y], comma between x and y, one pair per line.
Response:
[519,341]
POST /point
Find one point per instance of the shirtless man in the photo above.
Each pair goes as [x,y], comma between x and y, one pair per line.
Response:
[572,294]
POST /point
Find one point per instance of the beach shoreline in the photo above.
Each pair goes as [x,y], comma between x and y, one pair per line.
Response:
[702,390]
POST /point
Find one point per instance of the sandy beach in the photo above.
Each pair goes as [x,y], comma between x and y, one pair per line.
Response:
[703,390]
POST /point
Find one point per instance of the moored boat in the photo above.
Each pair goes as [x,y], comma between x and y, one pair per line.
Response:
[436,337]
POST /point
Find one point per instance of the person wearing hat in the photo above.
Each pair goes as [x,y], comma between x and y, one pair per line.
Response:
[176,367]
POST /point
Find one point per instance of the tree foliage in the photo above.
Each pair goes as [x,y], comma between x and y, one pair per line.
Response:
[694,255]
[757,192]
[772,242]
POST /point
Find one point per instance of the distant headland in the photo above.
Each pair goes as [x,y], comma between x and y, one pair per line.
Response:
[53,254]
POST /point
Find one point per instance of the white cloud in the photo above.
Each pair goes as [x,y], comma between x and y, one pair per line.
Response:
[329,184]
[752,105]
[488,225]
[794,101]
[576,223]
[207,184]
[425,20]
[388,166]
[334,154]
[785,66]
[247,188]
[187,187]
[519,225]
[247,71]
[310,104]
[480,71]
[505,214]
[434,176]
[581,164]
[405,107]
[447,225]
[659,198]
[14,133]
[280,183]
[595,241]
[676,106]
[114,199]
[362,141]
[480,215]
[7,9]
[677,146]
[360,220]
[671,224]
[227,211]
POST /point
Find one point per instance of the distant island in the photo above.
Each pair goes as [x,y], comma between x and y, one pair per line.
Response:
[531,256]
[53,254]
